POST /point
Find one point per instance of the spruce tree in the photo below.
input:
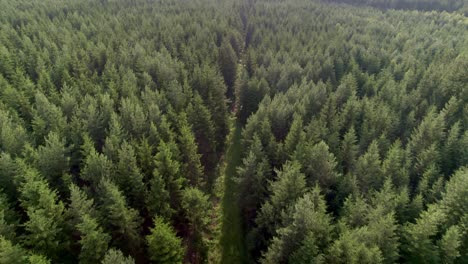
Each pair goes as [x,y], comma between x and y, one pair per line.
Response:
[121,220]
[163,245]
[114,256]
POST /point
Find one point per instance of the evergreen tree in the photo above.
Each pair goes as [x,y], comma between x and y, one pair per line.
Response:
[93,240]
[228,65]
[309,220]
[95,168]
[192,168]
[368,169]
[254,174]
[296,136]
[114,256]
[289,186]
[352,247]
[53,161]
[396,165]
[45,214]
[318,164]
[450,244]
[157,200]
[10,253]
[122,221]
[8,219]
[80,205]
[129,177]
[348,151]
[196,208]
[7,172]
[163,244]
[168,167]
[203,128]
[420,247]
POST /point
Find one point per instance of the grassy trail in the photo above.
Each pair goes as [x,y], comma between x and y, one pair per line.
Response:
[232,238]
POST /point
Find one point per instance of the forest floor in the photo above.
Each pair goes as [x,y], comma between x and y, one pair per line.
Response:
[232,238]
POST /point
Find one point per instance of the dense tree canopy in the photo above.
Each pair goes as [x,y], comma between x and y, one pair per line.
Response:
[346,123]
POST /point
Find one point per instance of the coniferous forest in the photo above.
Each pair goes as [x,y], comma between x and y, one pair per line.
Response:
[233,131]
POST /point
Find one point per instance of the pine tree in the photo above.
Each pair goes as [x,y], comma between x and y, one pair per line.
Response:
[352,247]
[8,218]
[10,253]
[38,259]
[84,219]
[44,227]
[53,161]
[289,186]
[115,135]
[346,89]
[418,236]
[203,127]
[158,199]
[168,167]
[318,164]
[395,165]
[348,151]
[383,230]
[254,174]
[133,118]
[192,168]
[129,177]
[196,207]
[368,170]
[296,136]
[93,240]
[13,135]
[114,256]
[212,89]
[80,205]
[47,117]
[96,167]
[7,172]
[309,223]
[228,65]
[455,197]
[449,245]
[451,150]
[163,244]
[122,220]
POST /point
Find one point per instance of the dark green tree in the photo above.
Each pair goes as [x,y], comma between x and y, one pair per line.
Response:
[122,221]
[129,177]
[228,65]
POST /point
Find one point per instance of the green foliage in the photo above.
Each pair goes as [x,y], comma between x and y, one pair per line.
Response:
[289,186]
[10,253]
[368,169]
[45,214]
[116,256]
[53,160]
[309,224]
[350,143]
[168,167]
[8,218]
[318,163]
[190,158]
[121,220]
[163,244]
[157,200]
[129,177]
[93,240]
[228,65]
